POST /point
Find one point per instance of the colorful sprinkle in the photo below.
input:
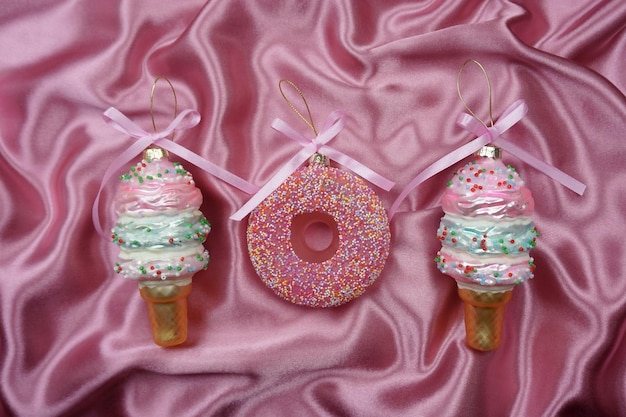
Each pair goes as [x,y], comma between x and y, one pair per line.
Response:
[364,237]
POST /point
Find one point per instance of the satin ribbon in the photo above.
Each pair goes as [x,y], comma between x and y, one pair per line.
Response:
[185,120]
[333,125]
[486,135]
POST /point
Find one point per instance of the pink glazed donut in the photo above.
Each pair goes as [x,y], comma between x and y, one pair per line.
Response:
[353,250]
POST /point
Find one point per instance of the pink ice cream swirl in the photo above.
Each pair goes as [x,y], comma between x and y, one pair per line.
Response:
[159,185]
[487,232]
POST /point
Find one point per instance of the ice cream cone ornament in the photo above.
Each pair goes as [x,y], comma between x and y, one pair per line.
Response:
[160,229]
[487,232]
[317,235]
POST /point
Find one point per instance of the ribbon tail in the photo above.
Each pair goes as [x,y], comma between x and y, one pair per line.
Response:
[272,184]
[284,128]
[358,168]
[552,172]
[118,163]
[208,166]
[438,166]
[116,119]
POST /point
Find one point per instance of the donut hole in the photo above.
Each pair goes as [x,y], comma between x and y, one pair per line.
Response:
[314,236]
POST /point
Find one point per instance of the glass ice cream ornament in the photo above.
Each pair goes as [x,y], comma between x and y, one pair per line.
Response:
[487,231]
[160,232]
[486,235]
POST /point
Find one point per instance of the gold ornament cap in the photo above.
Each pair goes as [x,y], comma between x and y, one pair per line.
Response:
[152,154]
[489,151]
[318,158]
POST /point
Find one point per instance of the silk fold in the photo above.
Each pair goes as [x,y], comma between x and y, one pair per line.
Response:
[74,336]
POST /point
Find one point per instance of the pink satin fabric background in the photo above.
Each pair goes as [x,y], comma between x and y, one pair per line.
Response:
[75,337]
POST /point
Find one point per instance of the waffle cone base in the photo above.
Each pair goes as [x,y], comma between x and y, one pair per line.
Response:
[167,308]
[484,316]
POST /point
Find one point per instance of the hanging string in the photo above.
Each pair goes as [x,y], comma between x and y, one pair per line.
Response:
[458,89]
[308,121]
[154,84]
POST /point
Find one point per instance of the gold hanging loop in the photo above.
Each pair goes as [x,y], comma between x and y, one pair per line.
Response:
[458,89]
[155,152]
[154,84]
[308,121]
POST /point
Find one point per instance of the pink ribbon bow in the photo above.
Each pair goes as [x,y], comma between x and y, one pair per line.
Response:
[486,135]
[334,124]
[185,120]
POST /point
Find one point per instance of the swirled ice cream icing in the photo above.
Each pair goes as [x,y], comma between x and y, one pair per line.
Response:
[157,185]
[487,232]
[487,188]
[160,229]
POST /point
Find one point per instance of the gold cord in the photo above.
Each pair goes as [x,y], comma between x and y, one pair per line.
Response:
[308,121]
[458,89]
[154,84]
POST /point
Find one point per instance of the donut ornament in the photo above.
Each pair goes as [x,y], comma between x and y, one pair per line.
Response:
[160,230]
[487,232]
[318,236]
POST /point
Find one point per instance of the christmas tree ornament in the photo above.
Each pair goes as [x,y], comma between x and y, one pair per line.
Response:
[487,231]
[160,229]
[317,235]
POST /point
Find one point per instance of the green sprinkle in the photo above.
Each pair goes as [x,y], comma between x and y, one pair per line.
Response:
[140,179]
[167,171]
[453,233]
[132,169]
[180,268]
[159,175]
[150,177]
[495,274]
[188,235]
[460,178]
[449,183]
[148,229]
